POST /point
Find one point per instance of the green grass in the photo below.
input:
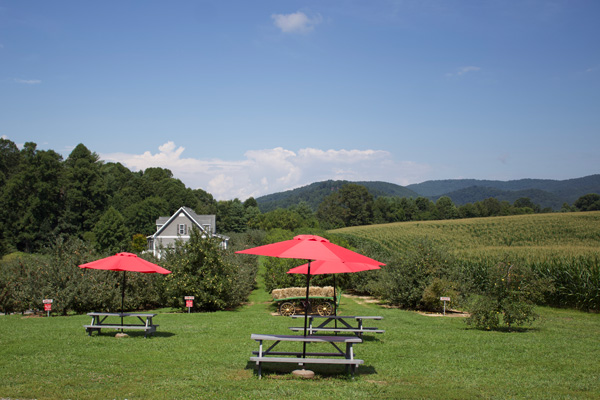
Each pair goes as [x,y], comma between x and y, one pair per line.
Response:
[205,355]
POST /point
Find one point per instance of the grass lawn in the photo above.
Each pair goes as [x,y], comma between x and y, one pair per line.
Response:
[206,355]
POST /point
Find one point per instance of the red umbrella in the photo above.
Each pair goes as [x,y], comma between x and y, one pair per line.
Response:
[322,267]
[125,262]
[309,247]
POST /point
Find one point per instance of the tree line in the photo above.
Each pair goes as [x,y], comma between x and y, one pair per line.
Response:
[44,198]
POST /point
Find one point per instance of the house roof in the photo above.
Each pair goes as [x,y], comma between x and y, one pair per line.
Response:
[200,220]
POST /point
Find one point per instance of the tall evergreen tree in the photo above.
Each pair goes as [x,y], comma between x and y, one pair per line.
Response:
[31,199]
[85,191]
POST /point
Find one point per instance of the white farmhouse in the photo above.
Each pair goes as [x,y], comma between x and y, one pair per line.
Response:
[178,227]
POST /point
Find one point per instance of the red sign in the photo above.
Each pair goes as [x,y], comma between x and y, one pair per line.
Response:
[48,307]
[189,303]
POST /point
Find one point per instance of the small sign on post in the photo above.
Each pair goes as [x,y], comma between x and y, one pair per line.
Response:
[189,302]
[445,299]
[47,305]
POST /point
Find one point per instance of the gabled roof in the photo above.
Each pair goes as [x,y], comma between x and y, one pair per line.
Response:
[198,220]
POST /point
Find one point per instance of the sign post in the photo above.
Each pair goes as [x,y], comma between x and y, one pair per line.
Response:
[48,305]
[445,299]
[189,302]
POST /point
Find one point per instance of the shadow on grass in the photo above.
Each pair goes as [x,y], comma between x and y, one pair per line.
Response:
[505,329]
[284,370]
[134,334]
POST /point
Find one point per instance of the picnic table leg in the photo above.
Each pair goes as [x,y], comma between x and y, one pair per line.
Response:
[260,354]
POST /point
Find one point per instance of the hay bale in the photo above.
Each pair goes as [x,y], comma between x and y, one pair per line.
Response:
[314,291]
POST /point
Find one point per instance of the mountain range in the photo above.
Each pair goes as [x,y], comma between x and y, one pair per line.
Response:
[544,192]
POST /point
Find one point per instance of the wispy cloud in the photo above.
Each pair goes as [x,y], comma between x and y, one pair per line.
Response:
[28,81]
[592,69]
[297,22]
[464,70]
[268,171]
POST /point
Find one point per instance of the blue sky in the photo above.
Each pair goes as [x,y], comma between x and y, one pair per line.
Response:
[246,98]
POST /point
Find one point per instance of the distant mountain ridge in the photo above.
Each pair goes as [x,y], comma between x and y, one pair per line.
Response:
[545,192]
[314,194]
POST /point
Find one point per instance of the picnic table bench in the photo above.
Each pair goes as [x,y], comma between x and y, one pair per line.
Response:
[329,324]
[99,322]
[346,357]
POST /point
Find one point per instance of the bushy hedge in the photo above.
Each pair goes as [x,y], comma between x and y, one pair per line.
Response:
[218,278]
[25,280]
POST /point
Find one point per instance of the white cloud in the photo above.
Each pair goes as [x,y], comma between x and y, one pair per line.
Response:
[267,171]
[28,81]
[297,22]
[464,70]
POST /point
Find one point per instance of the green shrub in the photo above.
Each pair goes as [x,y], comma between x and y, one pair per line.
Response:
[404,280]
[440,287]
[509,298]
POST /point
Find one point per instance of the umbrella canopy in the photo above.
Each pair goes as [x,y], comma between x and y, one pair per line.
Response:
[309,247]
[125,262]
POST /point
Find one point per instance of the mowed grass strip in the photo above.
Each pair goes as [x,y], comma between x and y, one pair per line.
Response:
[206,355]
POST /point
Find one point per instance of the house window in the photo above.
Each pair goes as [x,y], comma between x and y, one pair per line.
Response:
[182,229]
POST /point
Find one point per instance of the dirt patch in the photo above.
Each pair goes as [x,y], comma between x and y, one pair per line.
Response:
[449,313]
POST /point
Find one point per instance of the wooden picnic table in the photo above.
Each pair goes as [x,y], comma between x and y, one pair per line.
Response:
[328,323]
[345,357]
[99,322]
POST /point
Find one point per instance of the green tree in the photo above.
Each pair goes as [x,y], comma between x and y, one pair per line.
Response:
[139,243]
[445,208]
[525,202]
[199,268]
[425,207]
[330,212]
[85,191]
[509,298]
[468,211]
[588,202]
[9,160]
[231,216]
[352,205]
[31,199]
[141,217]
[111,233]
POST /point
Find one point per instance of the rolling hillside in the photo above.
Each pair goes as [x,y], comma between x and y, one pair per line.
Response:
[556,191]
[314,194]
[547,193]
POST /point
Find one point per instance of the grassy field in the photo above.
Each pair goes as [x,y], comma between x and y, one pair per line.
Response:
[205,355]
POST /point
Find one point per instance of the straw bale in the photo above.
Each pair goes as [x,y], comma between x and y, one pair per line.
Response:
[314,291]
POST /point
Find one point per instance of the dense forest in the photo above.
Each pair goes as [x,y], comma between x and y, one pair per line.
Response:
[43,198]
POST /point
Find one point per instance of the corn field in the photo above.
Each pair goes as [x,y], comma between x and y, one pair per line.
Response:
[563,247]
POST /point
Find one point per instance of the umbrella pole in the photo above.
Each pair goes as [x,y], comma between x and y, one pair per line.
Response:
[122,300]
[306,308]
[334,303]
